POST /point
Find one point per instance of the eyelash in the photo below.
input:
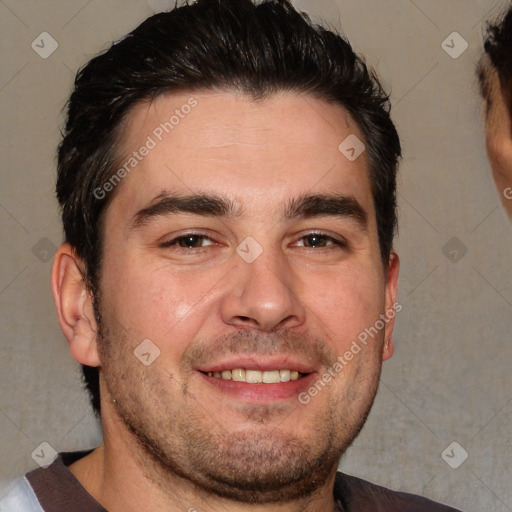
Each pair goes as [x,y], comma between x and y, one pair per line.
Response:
[187,250]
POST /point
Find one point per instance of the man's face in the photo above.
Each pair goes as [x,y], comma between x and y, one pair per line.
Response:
[498,130]
[277,284]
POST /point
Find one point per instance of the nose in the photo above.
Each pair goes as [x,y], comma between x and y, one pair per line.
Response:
[264,295]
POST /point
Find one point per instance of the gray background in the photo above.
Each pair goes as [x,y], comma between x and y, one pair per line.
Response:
[449,380]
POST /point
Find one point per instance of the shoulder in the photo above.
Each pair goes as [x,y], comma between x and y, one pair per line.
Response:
[359,495]
[21,498]
[52,488]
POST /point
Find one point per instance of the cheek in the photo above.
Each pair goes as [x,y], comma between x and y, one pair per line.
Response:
[347,302]
[150,301]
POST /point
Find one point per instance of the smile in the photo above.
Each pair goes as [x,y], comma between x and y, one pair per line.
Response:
[257,376]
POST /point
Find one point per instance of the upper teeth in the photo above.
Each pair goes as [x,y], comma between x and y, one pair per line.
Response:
[256,376]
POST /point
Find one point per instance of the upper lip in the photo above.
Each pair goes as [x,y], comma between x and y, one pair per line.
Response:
[258,362]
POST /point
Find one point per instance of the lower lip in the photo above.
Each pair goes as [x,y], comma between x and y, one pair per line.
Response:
[261,392]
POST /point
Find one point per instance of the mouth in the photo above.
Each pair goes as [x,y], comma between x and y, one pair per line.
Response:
[257,376]
[262,382]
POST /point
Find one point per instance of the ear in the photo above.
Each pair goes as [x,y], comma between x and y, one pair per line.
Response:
[498,130]
[74,306]
[392,307]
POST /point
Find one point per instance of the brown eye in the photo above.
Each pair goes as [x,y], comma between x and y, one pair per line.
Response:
[315,240]
[190,241]
[319,240]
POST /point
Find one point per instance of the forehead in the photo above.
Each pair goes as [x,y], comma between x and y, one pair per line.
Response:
[252,150]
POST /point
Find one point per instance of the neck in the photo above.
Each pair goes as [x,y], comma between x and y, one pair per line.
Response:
[122,477]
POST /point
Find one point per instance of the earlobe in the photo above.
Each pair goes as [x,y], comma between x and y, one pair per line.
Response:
[74,306]
[388,350]
[392,306]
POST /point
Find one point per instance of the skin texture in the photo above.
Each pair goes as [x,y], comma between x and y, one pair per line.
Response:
[498,131]
[174,439]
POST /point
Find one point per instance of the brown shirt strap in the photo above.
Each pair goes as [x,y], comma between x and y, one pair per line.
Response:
[58,490]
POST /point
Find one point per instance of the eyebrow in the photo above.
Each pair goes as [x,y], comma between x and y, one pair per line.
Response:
[199,204]
[211,205]
[335,205]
